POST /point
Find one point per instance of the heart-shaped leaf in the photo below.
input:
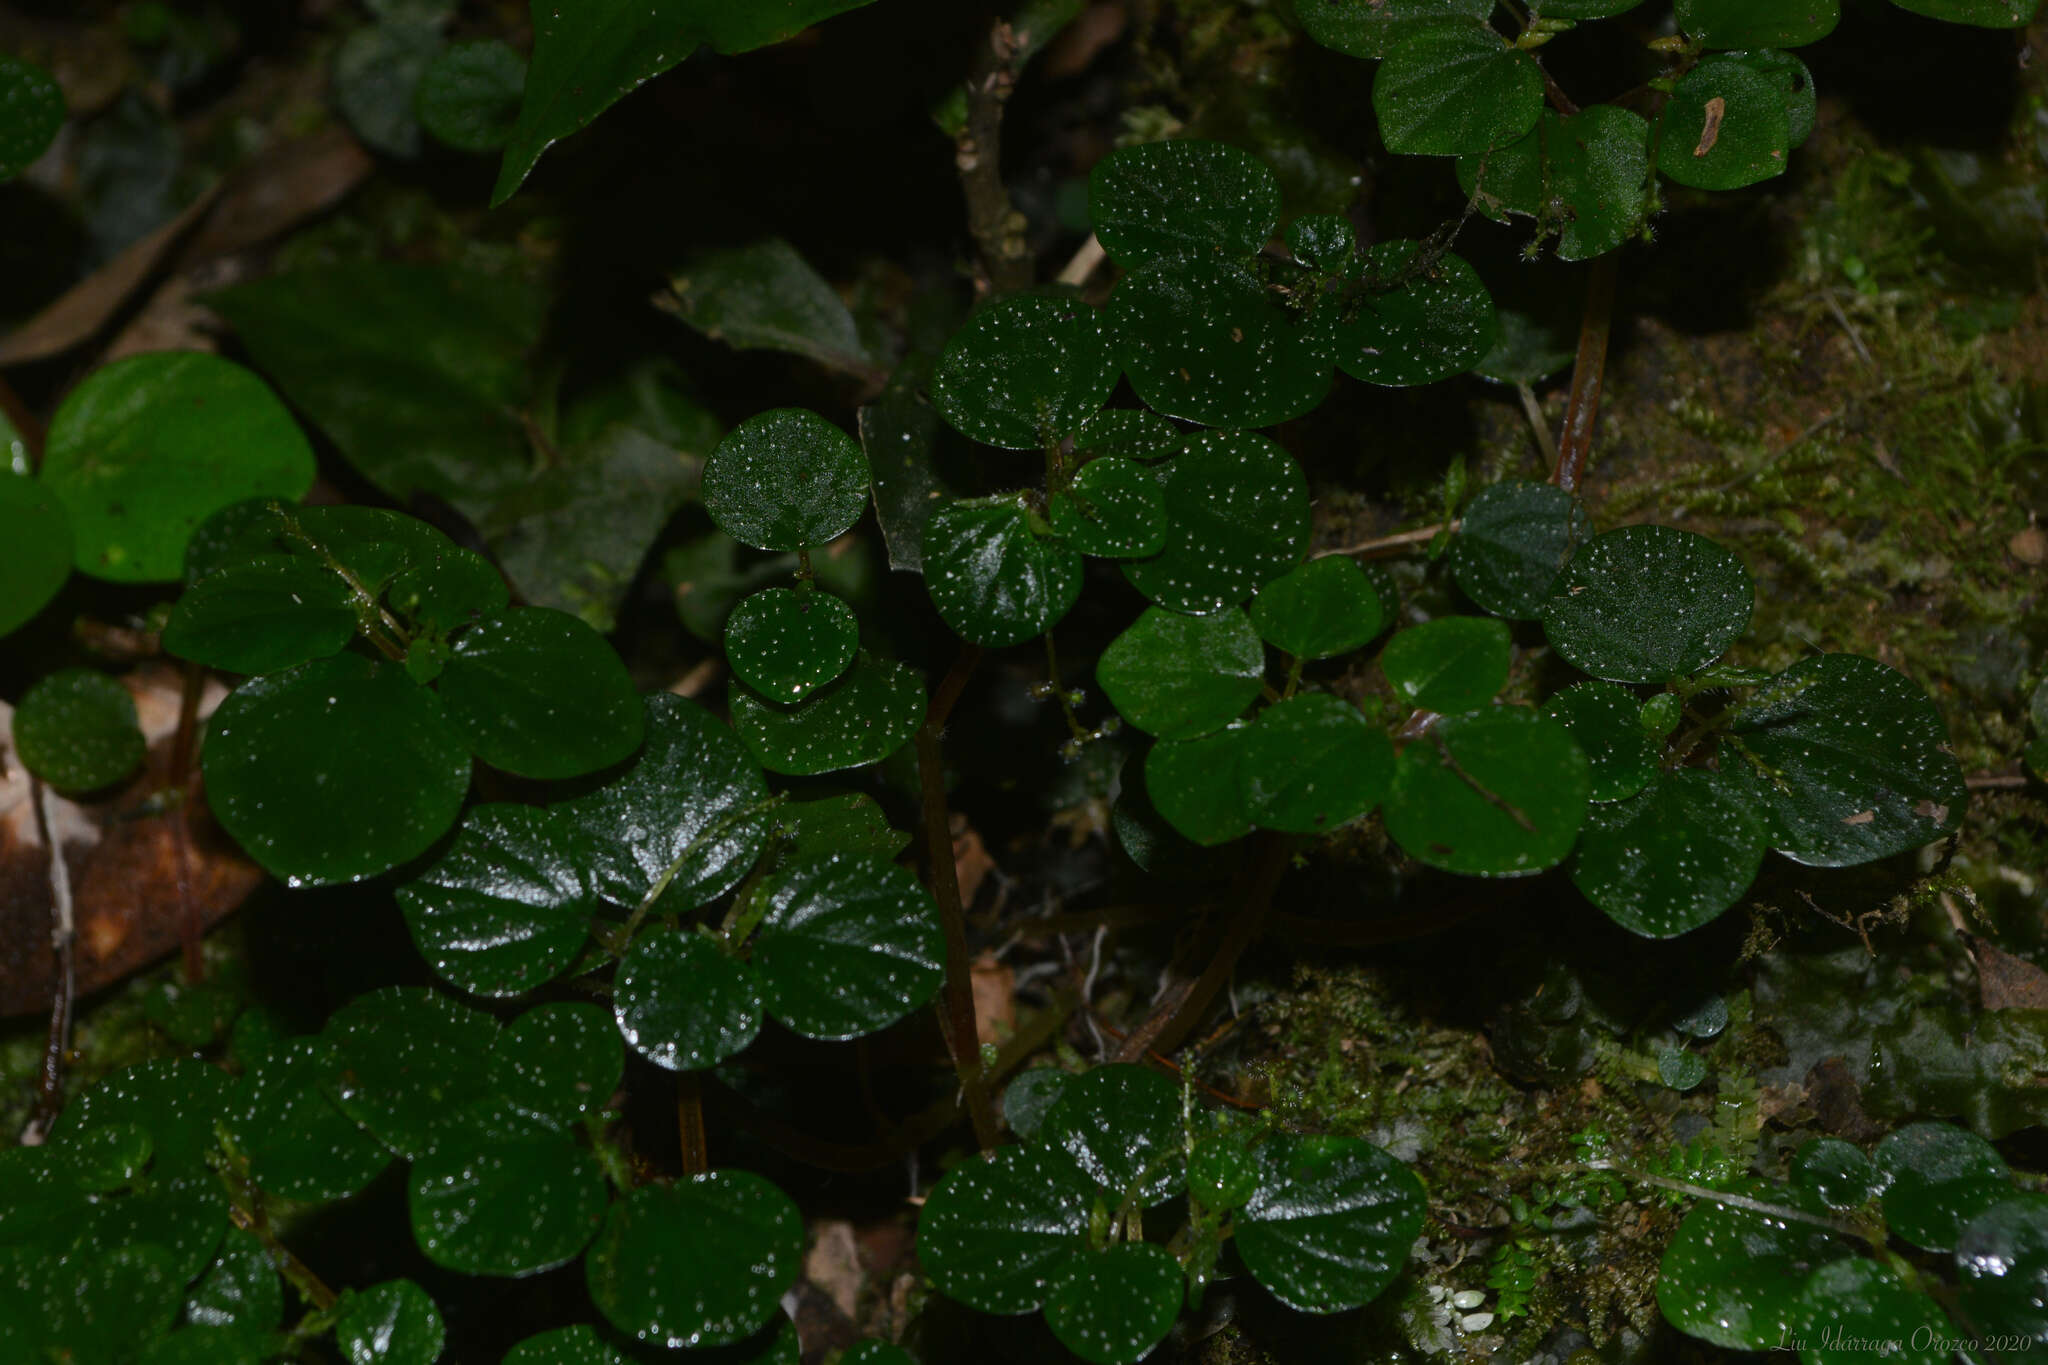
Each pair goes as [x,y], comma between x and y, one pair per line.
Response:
[2002,1263]
[1186,198]
[1406,316]
[455,588]
[299,1143]
[1238,517]
[1029,1098]
[558,1063]
[468,97]
[1455,87]
[1733,1276]
[507,1208]
[1673,857]
[1726,126]
[1648,604]
[1134,433]
[701,1262]
[1112,1306]
[786,644]
[785,480]
[38,539]
[1332,1222]
[393,1323]
[870,712]
[1360,28]
[173,1100]
[1603,718]
[239,1296]
[1198,785]
[1451,664]
[997,1233]
[994,580]
[1938,1178]
[1758,23]
[77,730]
[1025,371]
[261,615]
[1312,763]
[538,693]
[1493,793]
[849,823]
[31,113]
[1836,1172]
[850,944]
[1585,179]
[683,1003]
[1179,677]
[407,1065]
[1848,1303]
[1319,609]
[1122,1125]
[1114,507]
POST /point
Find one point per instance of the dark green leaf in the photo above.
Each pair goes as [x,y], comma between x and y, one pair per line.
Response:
[299,1143]
[850,823]
[1198,785]
[850,944]
[239,1293]
[1407,318]
[1938,1178]
[1726,126]
[994,580]
[1603,720]
[1678,1069]
[683,1003]
[1793,81]
[998,1232]
[578,1345]
[1324,242]
[1238,517]
[1332,1223]
[1528,350]
[1114,507]
[1495,793]
[408,1066]
[1733,1276]
[1672,858]
[1222,1172]
[1122,1125]
[107,1156]
[506,906]
[1319,609]
[1179,677]
[558,1063]
[1180,199]
[1856,1306]
[538,693]
[376,83]
[76,729]
[1202,340]
[1705,1020]
[1025,371]
[1114,1305]
[701,1262]
[262,614]
[872,1352]
[2002,1263]
[376,547]
[1584,178]
[393,1323]
[1982,13]
[1151,841]
[1363,28]
[1312,763]
[1455,87]
[785,480]
[1451,664]
[1134,433]
[867,714]
[507,1208]
[453,589]
[1581,9]
[786,644]
[766,297]
[174,1101]
[31,112]
[38,539]
[1648,604]
[468,97]
[1837,1172]
[1758,23]
[1028,1099]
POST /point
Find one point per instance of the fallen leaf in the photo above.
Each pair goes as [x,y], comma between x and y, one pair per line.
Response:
[2005,982]
[833,1264]
[995,999]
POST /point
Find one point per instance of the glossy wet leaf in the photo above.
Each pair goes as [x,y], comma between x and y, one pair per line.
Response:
[1793,80]
[700,1262]
[997,1233]
[240,1293]
[994,580]
[1237,508]
[1202,340]
[393,1323]
[1114,507]
[31,113]
[1584,9]
[107,1156]
[1025,370]
[1406,318]
[1758,23]
[468,96]
[1179,677]
[148,447]
[865,715]
[1494,793]
[1319,609]
[1673,857]
[1851,1305]
[173,1100]
[1455,87]
[1361,28]
[558,1063]
[300,769]
[786,644]
[849,945]
[299,1143]
[77,730]
[261,615]
[1312,763]
[378,548]
[1223,1172]
[1725,127]
[1584,178]
[767,297]
[682,821]
[1184,198]
[785,480]
[2002,1266]
[451,590]
[1152,842]
[1198,785]
[1982,13]
[1836,1172]
[538,693]
[1133,433]
[407,1065]
[1647,604]
[37,534]
[505,1208]
[852,822]
[1030,1097]
[1938,1177]
[683,1003]
[1121,1124]
[1332,1222]
[1855,764]
[1733,1276]
[578,1345]
[1114,1305]
[1604,721]
[1451,664]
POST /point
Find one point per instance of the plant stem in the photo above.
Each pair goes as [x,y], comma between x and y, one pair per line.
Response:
[1400,540]
[63,943]
[1534,412]
[246,1211]
[977,155]
[690,1123]
[1583,408]
[178,782]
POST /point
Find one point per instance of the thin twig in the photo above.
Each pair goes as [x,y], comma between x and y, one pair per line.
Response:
[1085,262]
[1534,412]
[1582,410]
[1997,782]
[63,938]
[1401,540]
[179,785]
[690,1123]
[977,155]
[1855,337]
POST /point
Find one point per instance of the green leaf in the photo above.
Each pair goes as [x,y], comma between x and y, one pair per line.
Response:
[1732,1276]
[2002,1264]
[38,539]
[1758,23]
[1451,664]
[31,113]
[1854,761]
[77,730]
[1836,1172]
[1122,1125]
[1982,13]
[998,1232]
[578,1345]
[408,1066]
[850,944]
[300,765]
[1680,1070]
[766,297]
[299,1143]
[701,1262]
[1114,507]
[1324,242]
[1332,1223]
[1029,1098]
[1026,371]
[1238,512]
[1134,433]
[993,579]
[538,693]
[1222,1172]
[1673,857]
[867,714]
[1187,198]
[505,1208]
[1198,785]
[239,1293]
[417,373]
[393,1323]
[1585,178]
[146,448]
[1312,763]
[787,644]
[1319,609]
[849,823]
[1114,1305]
[1361,28]
[1581,9]
[1603,720]
[468,96]
[1851,1306]
[1406,317]
[173,1100]
[873,1352]
[1494,793]
[683,1003]
[376,82]
[1455,87]
[1938,1178]
[1528,351]
[587,57]
[785,480]
[558,1063]
[1727,125]
[1648,604]
[1179,677]
[683,823]
[261,615]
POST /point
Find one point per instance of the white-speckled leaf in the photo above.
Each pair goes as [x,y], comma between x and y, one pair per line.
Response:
[1332,1222]
[850,944]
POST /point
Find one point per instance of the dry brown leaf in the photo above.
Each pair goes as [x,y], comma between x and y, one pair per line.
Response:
[2005,982]
[995,999]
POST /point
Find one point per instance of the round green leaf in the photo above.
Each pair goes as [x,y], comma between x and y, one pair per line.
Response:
[558,1063]
[408,1066]
[1312,763]
[1114,1305]
[1982,13]
[785,480]
[147,447]
[1198,785]
[787,644]
[107,1156]
[578,1345]
[1025,371]
[1793,80]
[334,770]
[1455,87]
[1528,350]
[1705,1020]
[31,112]
[1324,242]
[1202,340]
[539,693]
[506,1208]
[852,822]
[1758,23]
[701,1262]
[1114,508]
[38,540]
[1732,1276]
[998,1232]
[1238,513]
[1186,198]
[261,615]
[1332,1222]
[1222,1172]
[1585,178]
[1406,318]
[1134,433]
[994,580]
[1361,28]
[1152,842]
[1855,761]
[683,1003]
[1028,1099]
[76,729]
[239,1294]
[850,944]
[1836,1172]
[1452,664]
[393,1323]
[1494,793]
[1673,857]
[299,1143]
[1602,718]
[1938,1178]
[468,97]
[684,822]
[1679,1069]
[376,74]
[1726,126]
[453,588]
[1319,609]
[1647,604]
[1179,677]
[1854,1305]
[1122,1125]
[174,1101]
[2002,1264]
[867,714]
